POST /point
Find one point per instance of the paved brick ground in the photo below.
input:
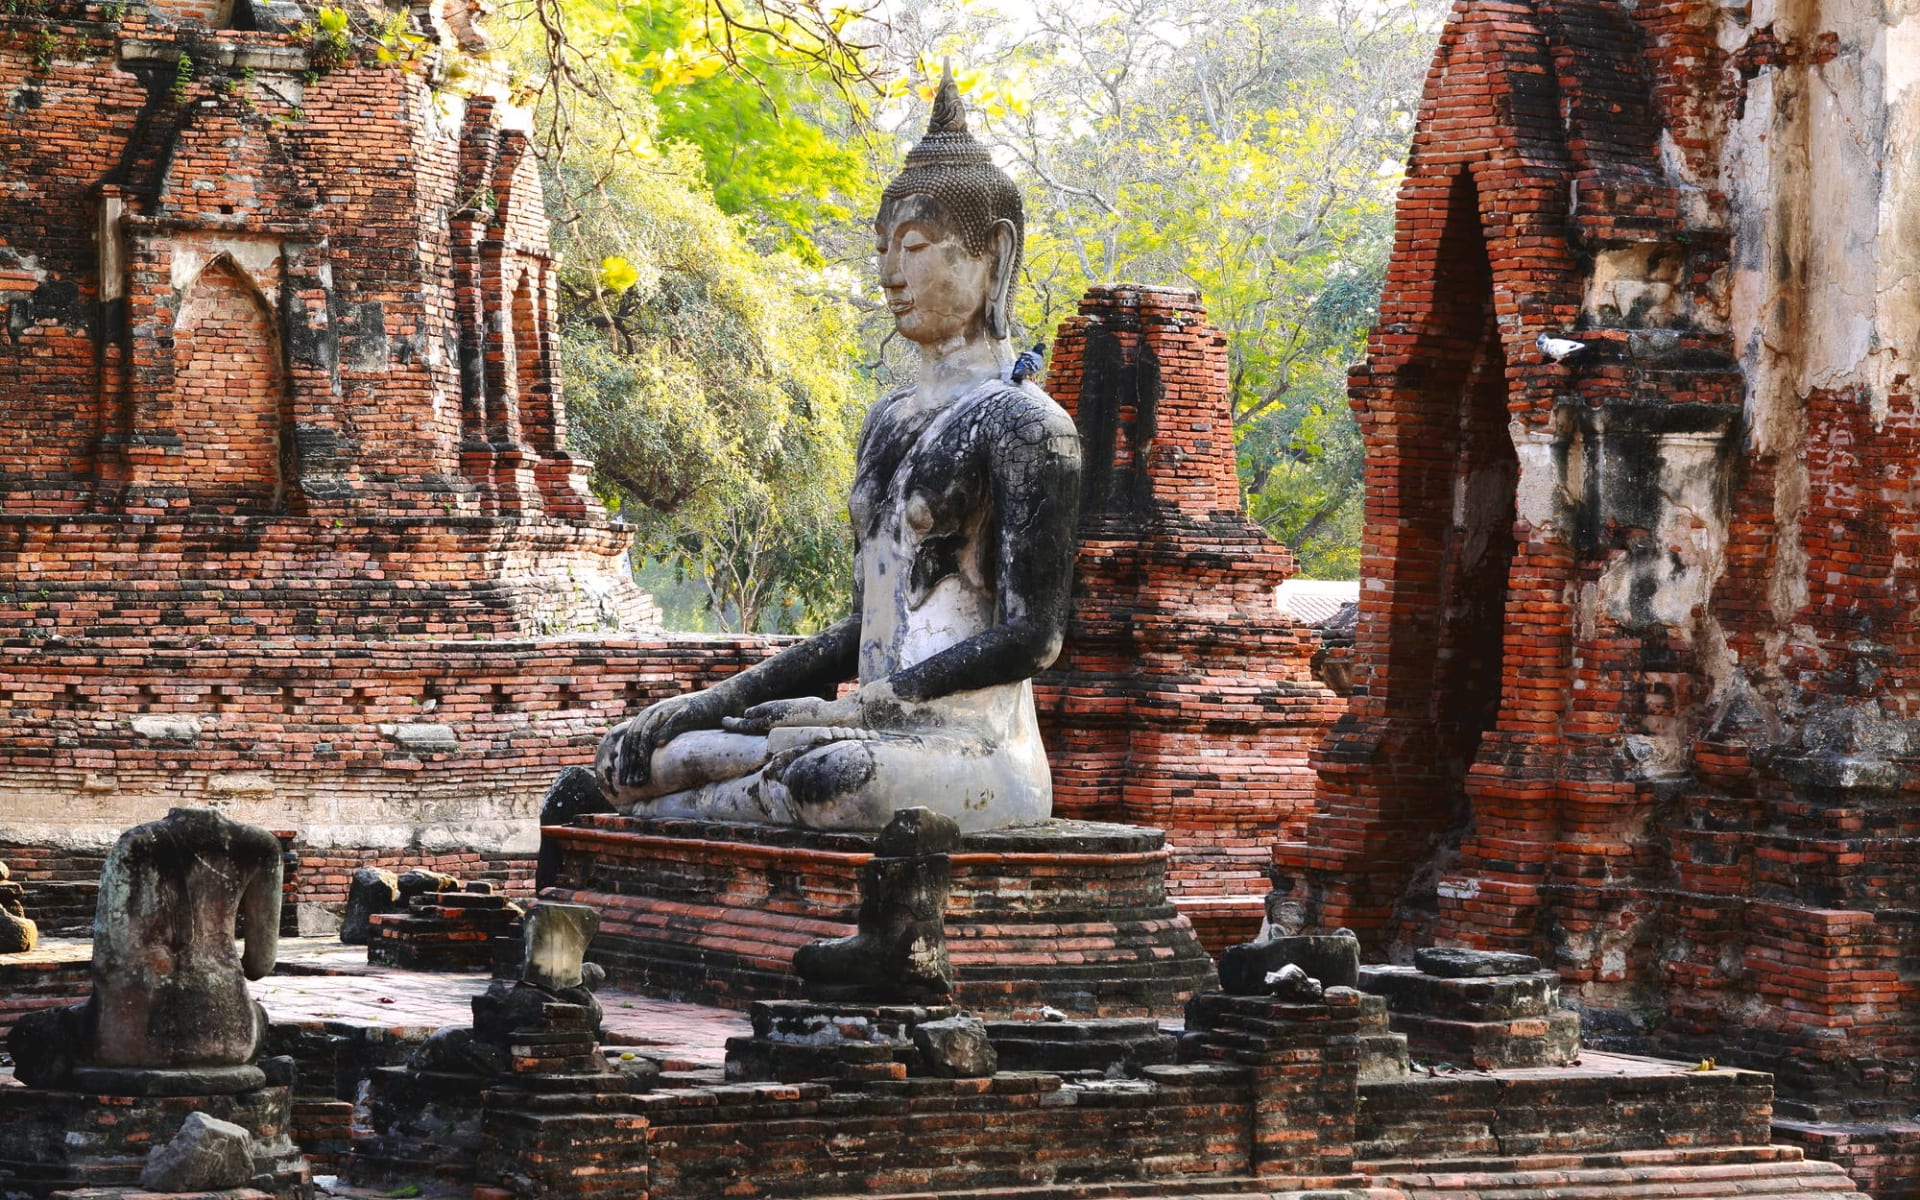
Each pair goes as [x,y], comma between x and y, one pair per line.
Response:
[320,979]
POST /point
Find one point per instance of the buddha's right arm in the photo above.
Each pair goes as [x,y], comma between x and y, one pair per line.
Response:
[815,667]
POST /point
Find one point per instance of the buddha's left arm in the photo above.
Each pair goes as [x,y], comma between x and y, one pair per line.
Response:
[1034,482]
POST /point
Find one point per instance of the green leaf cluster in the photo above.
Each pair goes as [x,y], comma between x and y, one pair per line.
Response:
[711,379]
[764,104]
[1247,149]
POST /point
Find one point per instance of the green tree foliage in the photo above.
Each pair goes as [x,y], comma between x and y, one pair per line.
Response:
[709,373]
[1245,148]
[777,135]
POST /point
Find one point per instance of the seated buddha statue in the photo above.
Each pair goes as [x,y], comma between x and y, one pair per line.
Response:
[965,499]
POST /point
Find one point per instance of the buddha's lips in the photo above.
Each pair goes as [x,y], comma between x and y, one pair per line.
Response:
[897,307]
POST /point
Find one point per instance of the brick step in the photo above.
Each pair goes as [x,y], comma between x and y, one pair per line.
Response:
[1196,1189]
[1742,1181]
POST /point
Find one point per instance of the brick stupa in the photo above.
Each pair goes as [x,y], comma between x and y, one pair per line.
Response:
[1184,698]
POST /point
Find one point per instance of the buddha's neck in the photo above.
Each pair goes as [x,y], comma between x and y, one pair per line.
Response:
[955,367]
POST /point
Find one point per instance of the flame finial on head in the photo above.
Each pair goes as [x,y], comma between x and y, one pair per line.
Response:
[948,142]
[949,114]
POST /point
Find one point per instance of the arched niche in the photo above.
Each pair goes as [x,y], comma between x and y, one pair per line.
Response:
[229,394]
[1456,482]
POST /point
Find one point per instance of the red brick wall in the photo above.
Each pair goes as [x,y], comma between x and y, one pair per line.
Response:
[99,576]
[290,736]
[1183,699]
[1660,743]
[245,286]
[227,396]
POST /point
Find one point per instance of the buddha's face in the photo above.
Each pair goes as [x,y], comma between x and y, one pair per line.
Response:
[935,288]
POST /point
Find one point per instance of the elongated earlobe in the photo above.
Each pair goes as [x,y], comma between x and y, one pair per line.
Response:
[1000,294]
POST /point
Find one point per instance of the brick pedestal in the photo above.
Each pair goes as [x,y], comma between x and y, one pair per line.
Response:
[556,1124]
[1065,913]
[1304,1062]
[53,1142]
[443,931]
[1485,1022]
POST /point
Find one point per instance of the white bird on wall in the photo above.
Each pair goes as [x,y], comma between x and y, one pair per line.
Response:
[1560,349]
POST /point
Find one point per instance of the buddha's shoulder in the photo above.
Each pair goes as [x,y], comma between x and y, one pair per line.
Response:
[1021,410]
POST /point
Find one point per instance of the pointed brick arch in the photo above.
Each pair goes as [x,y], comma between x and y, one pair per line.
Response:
[533,367]
[229,394]
[1464,651]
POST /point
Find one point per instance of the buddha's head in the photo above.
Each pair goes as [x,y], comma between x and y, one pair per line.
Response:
[949,233]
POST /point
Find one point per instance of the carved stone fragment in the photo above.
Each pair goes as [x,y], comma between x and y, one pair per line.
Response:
[899,955]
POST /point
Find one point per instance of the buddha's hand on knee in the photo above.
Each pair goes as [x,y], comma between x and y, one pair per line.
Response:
[625,759]
[803,710]
[872,705]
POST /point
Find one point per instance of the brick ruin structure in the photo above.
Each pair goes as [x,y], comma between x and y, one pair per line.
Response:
[1635,680]
[288,526]
[1184,698]
[286,514]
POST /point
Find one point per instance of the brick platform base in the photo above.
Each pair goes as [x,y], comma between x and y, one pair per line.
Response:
[54,1142]
[1772,1173]
[1067,913]
[1883,1157]
[56,973]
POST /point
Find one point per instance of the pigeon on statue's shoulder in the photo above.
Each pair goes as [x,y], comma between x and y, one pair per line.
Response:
[1028,364]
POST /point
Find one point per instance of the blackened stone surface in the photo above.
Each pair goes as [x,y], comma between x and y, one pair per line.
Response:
[1451,963]
[899,953]
[956,1048]
[207,1155]
[575,793]
[1486,1022]
[372,890]
[173,1081]
[1114,1045]
[914,832]
[456,1051]
[1333,959]
[799,1040]
[1494,998]
[421,1126]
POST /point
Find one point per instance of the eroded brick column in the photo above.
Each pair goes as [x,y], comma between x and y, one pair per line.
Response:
[1184,698]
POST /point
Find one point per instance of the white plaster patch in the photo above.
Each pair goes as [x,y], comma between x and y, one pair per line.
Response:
[1689,540]
[1897,312]
[1539,497]
[170,727]
[259,257]
[423,738]
[1634,286]
[239,783]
